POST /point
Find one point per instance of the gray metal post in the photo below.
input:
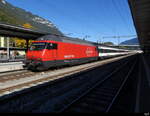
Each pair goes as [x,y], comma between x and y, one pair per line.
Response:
[27,43]
[8,55]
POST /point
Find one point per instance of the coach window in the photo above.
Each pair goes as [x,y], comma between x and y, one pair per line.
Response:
[101,50]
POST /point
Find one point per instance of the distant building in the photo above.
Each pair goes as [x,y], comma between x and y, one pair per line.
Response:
[6,53]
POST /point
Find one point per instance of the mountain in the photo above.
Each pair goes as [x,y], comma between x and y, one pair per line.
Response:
[13,15]
[133,41]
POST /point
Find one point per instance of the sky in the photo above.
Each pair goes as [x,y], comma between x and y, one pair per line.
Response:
[80,18]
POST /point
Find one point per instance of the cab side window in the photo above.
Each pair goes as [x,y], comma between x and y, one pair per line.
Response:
[51,46]
[54,46]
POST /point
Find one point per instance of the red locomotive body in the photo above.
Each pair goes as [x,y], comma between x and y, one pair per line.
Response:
[52,51]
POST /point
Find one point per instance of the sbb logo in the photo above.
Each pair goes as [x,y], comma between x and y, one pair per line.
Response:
[89,51]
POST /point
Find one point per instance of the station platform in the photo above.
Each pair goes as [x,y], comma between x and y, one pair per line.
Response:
[10,66]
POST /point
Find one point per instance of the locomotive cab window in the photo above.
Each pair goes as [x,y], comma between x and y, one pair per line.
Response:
[51,46]
[38,46]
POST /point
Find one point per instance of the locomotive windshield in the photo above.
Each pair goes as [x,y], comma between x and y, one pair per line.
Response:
[38,46]
[42,45]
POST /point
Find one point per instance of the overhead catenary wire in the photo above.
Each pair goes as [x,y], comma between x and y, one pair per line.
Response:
[61,10]
[121,16]
[127,17]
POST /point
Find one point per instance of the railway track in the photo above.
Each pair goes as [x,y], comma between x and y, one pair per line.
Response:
[18,80]
[59,95]
[101,97]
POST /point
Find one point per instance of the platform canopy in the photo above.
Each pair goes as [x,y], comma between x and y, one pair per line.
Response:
[16,31]
[140,10]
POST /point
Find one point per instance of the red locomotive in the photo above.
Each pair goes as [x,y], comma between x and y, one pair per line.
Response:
[52,51]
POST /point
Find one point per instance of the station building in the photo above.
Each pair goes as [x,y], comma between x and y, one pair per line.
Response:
[6,51]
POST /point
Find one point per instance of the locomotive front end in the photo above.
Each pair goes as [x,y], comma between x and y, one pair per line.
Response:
[34,56]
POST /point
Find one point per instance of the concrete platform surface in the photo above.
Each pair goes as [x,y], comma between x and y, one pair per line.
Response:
[10,66]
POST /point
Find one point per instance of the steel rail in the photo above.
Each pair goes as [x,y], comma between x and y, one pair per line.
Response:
[122,85]
[90,89]
[13,97]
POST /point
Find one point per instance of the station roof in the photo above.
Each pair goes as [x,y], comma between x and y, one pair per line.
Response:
[16,31]
[140,10]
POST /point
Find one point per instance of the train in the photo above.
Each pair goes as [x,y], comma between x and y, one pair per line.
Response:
[109,52]
[54,51]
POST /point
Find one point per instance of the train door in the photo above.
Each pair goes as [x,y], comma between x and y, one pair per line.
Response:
[52,47]
[54,51]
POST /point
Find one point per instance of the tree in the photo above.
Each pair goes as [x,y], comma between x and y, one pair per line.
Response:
[21,43]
